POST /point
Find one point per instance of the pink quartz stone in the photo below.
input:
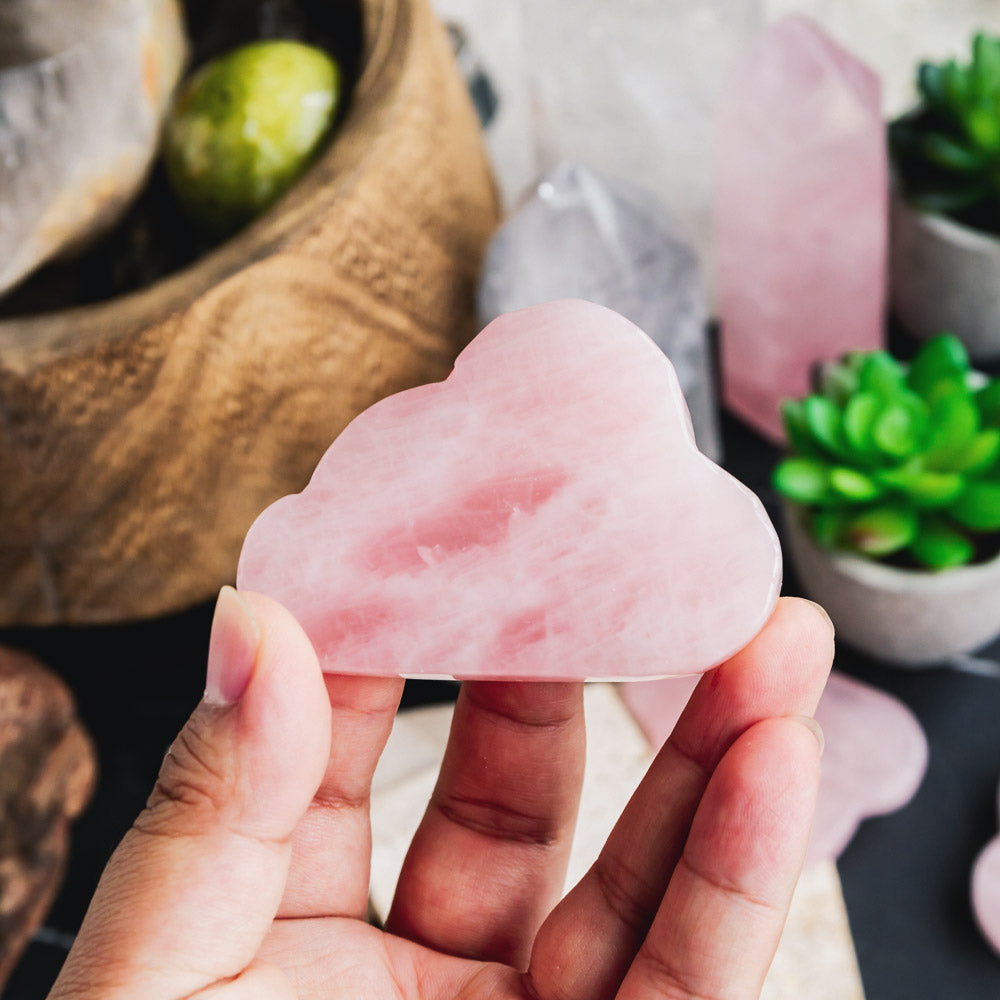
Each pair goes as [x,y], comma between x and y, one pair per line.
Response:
[801,216]
[986,891]
[542,513]
[874,761]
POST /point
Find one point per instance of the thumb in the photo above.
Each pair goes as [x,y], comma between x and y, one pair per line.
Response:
[192,889]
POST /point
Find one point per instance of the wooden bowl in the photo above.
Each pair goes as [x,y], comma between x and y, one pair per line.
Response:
[140,437]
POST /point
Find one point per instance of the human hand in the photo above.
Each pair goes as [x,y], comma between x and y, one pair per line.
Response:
[246,877]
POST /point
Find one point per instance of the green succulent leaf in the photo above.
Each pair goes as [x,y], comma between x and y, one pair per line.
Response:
[827,528]
[988,401]
[980,454]
[797,430]
[838,382]
[957,84]
[881,373]
[978,508]
[804,480]
[939,545]
[981,124]
[859,420]
[823,418]
[942,357]
[882,529]
[949,200]
[986,63]
[924,489]
[931,84]
[899,427]
[854,486]
[954,425]
[944,152]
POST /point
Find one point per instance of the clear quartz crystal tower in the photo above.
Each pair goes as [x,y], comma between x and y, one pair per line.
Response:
[584,234]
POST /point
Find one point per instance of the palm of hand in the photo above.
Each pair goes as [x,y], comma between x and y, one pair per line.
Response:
[247,875]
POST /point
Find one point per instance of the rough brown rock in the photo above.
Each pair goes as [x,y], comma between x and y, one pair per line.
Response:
[47,772]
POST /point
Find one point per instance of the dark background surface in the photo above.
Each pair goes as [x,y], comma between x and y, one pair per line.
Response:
[905,876]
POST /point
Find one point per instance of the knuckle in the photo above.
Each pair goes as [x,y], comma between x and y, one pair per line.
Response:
[193,780]
[496,820]
[632,899]
[666,980]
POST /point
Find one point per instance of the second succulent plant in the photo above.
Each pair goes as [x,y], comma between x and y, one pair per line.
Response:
[947,150]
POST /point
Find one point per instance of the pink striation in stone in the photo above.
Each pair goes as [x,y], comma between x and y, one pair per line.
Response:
[543,513]
[801,216]
[986,891]
[874,761]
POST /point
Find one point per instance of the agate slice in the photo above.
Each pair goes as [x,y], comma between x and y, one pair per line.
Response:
[543,513]
[874,761]
[986,891]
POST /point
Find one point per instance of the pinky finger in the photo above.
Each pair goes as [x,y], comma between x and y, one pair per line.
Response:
[720,921]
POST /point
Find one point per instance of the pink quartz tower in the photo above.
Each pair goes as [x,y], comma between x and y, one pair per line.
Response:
[801,216]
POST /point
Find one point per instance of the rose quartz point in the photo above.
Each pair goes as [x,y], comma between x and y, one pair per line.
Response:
[801,216]
[986,891]
[543,513]
[874,761]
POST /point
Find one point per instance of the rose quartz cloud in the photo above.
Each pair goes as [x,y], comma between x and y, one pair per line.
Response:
[542,513]
[875,757]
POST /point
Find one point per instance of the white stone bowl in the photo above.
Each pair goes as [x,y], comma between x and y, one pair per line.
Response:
[944,276]
[906,617]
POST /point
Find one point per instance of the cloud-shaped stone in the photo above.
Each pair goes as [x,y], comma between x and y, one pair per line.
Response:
[542,513]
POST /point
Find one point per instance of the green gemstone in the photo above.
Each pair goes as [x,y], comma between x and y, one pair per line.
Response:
[244,128]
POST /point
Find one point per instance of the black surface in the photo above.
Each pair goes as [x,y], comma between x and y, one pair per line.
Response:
[905,876]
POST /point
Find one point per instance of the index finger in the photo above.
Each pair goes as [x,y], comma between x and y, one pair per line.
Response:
[331,848]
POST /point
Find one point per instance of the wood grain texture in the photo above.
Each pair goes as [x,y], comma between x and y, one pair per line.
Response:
[47,773]
[139,438]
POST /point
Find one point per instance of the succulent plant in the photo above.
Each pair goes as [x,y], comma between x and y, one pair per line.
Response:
[898,461]
[947,150]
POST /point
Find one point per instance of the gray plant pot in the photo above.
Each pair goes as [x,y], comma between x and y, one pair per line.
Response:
[944,276]
[907,617]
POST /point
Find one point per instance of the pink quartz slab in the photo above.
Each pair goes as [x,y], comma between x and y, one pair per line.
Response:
[986,891]
[801,215]
[542,513]
[874,761]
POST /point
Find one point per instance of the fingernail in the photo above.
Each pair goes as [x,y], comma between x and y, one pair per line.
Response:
[815,728]
[825,614]
[232,650]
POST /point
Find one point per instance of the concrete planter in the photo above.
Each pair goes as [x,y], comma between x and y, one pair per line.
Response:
[907,617]
[944,276]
